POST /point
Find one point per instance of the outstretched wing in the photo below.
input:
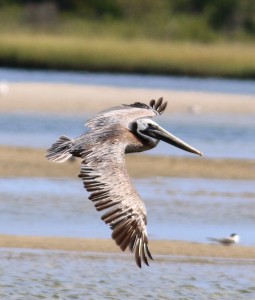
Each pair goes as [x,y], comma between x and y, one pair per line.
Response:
[104,175]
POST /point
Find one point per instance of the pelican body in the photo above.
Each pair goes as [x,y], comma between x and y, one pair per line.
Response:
[114,132]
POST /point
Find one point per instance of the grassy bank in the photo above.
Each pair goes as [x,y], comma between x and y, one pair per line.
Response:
[52,51]
[194,38]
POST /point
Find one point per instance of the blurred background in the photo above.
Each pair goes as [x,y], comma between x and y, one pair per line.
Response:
[63,61]
[188,37]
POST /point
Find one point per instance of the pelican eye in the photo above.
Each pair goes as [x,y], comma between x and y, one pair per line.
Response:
[150,125]
[133,126]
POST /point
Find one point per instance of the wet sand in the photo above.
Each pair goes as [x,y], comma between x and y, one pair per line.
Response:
[25,162]
[158,247]
[64,98]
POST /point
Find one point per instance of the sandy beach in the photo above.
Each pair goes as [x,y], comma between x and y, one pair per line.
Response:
[157,247]
[77,99]
[25,162]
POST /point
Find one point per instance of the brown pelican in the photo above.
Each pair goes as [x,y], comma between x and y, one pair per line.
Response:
[227,241]
[114,132]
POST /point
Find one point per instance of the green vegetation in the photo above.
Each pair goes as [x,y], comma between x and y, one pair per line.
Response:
[188,37]
[112,54]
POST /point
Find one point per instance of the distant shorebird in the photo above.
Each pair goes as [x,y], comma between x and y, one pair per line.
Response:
[4,88]
[114,132]
[227,241]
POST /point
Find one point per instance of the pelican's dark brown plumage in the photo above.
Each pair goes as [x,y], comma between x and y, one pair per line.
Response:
[114,132]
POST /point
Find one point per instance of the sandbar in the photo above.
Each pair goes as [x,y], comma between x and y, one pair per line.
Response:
[79,99]
[158,247]
[26,162]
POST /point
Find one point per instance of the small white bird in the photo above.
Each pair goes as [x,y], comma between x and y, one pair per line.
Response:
[227,241]
[4,88]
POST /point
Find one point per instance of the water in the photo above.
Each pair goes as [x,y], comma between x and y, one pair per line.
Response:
[178,209]
[216,136]
[31,274]
[213,85]
[181,209]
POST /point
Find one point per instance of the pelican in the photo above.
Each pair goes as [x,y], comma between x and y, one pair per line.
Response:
[114,132]
[226,241]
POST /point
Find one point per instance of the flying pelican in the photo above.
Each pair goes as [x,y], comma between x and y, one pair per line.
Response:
[114,132]
[227,241]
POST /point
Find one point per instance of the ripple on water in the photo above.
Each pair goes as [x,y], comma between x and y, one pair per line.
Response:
[35,274]
[202,131]
[178,208]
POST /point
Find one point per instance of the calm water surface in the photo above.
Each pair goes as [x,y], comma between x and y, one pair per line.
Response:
[232,86]
[31,274]
[180,209]
[216,136]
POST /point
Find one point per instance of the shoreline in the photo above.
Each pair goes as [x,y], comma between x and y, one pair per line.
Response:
[158,247]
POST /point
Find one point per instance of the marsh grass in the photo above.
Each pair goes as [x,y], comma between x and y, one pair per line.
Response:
[115,54]
[157,43]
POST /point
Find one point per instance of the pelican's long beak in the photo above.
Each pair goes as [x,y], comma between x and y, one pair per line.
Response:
[159,133]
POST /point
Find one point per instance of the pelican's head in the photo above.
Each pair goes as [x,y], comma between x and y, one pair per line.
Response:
[151,133]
